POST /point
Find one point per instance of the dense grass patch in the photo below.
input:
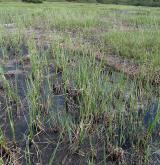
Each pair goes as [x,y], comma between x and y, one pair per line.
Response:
[141,46]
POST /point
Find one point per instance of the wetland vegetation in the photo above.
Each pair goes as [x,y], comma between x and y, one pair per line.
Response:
[79,84]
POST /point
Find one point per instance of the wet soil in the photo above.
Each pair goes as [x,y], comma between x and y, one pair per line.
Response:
[47,133]
[15,110]
[117,63]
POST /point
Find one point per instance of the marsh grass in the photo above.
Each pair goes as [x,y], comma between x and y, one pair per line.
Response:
[103,112]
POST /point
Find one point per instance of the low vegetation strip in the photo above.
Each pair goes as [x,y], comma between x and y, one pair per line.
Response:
[152,3]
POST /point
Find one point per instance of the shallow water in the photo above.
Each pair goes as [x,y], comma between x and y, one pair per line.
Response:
[17,77]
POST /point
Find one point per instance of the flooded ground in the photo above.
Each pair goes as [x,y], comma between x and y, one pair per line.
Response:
[71,93]
[46,135]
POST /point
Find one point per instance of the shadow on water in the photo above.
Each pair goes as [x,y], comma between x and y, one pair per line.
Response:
[151,112]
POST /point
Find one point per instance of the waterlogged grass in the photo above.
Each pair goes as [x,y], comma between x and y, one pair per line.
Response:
[57,98]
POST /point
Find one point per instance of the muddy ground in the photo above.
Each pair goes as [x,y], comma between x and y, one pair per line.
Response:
[47,144]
